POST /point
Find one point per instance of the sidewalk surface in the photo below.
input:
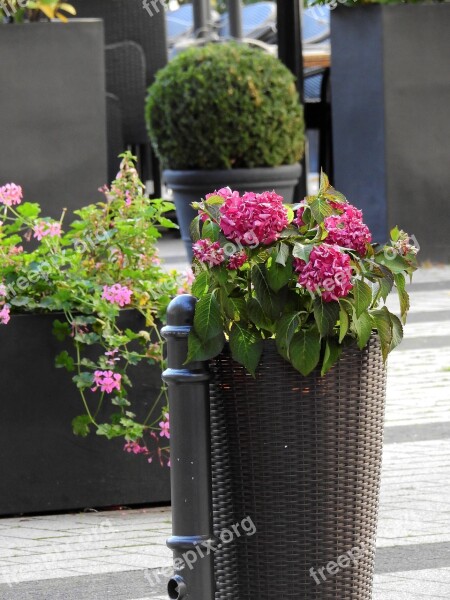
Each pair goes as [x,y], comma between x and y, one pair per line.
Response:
[115,555]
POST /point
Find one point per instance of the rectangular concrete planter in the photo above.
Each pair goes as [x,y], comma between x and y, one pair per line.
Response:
[43,465]
[53,112]
[390,82]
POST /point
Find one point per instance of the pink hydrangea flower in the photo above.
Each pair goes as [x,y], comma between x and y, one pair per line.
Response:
[45,229]
[299,217]
[165,426]
[11,194]
[107,381]
[135,448]
[328,272]
[117,294]
[208,252]
[237,260]
[253,218]
[348,229]
[5,315]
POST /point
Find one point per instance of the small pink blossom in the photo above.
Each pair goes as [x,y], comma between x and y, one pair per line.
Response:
[328,272]
[128,199]
[165,426]
[44,229]
[117,294]
[135,448]
[5,315]
[299,217]
[11,194]
[189,278]
[112,358]
[3,290]
[208,252]
[237,260]
[348,229]
[15,250]
[253,219]
[107,381]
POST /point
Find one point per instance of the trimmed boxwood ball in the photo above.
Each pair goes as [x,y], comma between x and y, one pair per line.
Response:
[223,106]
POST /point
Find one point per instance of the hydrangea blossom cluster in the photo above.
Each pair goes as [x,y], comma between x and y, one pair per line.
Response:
[117,294]
[348,229]
[327,272]
[11,194]
[107,381]
[237,260]
[208,252]
[253,219]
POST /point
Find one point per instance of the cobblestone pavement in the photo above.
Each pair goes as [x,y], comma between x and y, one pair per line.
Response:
[114,555]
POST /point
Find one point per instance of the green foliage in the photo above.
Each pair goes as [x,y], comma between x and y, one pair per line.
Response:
[263,298]
[225,106]
[109,243]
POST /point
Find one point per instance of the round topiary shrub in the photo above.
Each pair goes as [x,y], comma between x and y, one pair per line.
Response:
[224,106]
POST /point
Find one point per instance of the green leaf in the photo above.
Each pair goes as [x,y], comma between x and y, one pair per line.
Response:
[284,332]
[302,251]
[201,284]
[235,308]
[257,315]
[363,326]
[81,425]
[320,208]
[195,229]
[397,332]
[324,182]
[83,380]
[61,330]
[395,233]
[326,315]
[305,351]
[65,361]
[383,324]
[211,231]
[344,323]
[264,292]
[246,346]
[20,301]
[278,275]
[207,318]
[282,254]
[332,353]
[362,294]
[403,295]
[393,261]
[199,350]
[385,285]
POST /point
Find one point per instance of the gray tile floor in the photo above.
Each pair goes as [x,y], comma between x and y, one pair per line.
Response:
[115,555]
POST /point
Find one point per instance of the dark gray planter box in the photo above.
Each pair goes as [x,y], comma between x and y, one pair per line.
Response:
[43,465]
[53,112]
[391,96]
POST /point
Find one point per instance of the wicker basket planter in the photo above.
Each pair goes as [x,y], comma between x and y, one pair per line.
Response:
[301,456]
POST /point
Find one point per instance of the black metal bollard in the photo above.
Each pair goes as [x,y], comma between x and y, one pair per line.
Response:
[190,450]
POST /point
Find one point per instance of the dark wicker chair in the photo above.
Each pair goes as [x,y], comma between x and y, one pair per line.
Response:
[127,21]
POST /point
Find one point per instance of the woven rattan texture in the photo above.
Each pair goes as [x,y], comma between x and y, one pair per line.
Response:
[301,456]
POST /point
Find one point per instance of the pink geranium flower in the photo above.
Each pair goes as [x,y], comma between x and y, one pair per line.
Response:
[328,272]
[45,229]
[117,294]
[165,426]
[348,229]
[107,381]
[208,252]
[135,448]
[5,315]
[253,219]
[11,194]
[3,290]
